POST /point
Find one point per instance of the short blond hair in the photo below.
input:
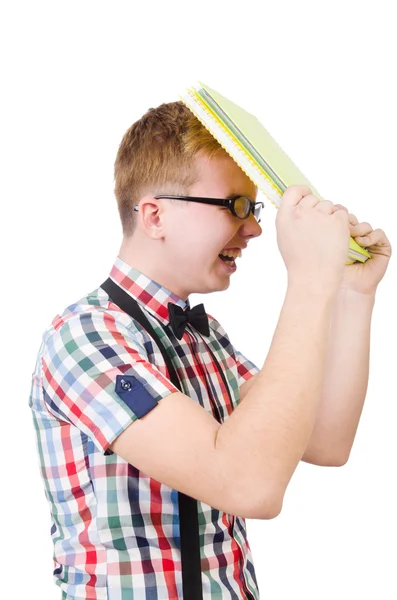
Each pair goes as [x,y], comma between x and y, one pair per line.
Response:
[156,156]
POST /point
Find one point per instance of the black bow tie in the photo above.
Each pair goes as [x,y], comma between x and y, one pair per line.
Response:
[196,317]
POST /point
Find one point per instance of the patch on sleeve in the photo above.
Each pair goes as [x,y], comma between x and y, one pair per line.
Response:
[134,394]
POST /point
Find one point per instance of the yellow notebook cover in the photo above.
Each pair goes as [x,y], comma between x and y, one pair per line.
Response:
[253,148]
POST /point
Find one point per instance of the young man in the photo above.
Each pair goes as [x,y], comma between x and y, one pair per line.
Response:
[120,444]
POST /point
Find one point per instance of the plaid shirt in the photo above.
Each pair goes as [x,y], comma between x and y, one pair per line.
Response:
[115,530]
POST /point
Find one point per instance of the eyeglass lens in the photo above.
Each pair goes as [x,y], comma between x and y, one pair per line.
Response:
[242,208]
[257,211]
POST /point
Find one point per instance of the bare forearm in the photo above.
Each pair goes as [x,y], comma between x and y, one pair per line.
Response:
[345,379]
[264,438]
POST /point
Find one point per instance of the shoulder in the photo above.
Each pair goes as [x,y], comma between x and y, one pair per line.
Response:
[91,319]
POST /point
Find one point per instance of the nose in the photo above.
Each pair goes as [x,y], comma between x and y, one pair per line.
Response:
[250,227]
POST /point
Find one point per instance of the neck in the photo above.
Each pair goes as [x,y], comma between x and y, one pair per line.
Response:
[152,262]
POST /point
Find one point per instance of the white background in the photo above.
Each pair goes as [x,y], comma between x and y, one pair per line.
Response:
[321,78]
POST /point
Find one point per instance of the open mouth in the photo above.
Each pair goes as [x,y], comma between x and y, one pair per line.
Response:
[228,257]
[228,260]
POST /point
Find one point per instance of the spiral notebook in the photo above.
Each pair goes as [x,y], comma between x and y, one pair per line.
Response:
[253,149]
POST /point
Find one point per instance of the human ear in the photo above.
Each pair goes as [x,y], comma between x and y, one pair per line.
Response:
[150,212]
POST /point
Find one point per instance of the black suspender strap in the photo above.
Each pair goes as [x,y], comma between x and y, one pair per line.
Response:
[188,511]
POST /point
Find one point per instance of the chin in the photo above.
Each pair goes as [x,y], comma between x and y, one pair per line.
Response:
[219,285]
[214,284]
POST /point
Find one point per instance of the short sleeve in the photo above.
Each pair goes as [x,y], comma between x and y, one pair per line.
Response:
[97,375]
[245,368]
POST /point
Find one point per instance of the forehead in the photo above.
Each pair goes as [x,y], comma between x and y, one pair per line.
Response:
[221,176]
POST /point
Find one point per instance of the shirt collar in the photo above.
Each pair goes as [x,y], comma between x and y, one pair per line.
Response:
[147,292]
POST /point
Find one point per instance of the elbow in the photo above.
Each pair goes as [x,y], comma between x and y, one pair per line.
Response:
[339,460]
[337,457]
[331,459]
[265,507]
[267,513]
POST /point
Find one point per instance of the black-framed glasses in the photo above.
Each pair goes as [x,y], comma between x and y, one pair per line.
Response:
[240,206]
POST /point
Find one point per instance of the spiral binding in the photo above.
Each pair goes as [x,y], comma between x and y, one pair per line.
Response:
[222,135]
[259,178]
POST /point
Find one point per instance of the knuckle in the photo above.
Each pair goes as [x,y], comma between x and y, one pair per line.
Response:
[293,192]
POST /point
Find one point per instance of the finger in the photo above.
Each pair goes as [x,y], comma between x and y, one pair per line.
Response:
[326,206]
[294,194]
[352,218]
[378,238]
[360,229]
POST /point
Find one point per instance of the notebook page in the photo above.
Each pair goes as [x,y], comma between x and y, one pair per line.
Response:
[257,136]
[221,126]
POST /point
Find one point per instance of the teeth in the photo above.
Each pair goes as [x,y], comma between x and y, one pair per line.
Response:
[232,253]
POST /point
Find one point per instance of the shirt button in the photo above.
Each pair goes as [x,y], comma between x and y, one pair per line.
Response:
[126,385]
